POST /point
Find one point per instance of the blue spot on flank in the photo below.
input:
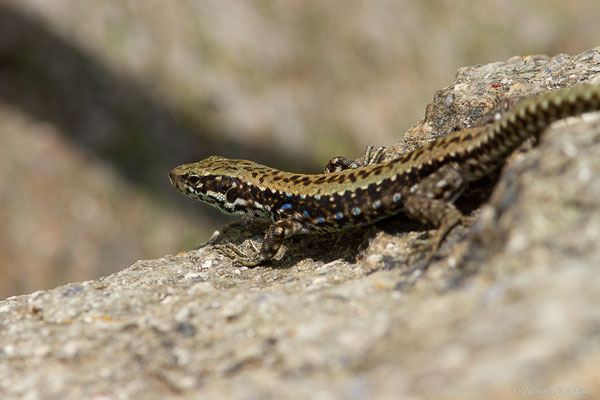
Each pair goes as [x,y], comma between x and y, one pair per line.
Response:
[397,197]
[317,197]
[306,214]
[320,220]
[268,208]
[376,204]
[288,194]
[286,206]
[356,211]
[339,215]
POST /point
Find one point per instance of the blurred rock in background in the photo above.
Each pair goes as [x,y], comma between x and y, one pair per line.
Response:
[98,100]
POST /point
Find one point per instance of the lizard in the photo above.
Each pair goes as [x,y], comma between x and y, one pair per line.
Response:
[423,184]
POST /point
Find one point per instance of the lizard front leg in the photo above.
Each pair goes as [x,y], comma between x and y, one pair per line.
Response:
[336,164]
[274,237]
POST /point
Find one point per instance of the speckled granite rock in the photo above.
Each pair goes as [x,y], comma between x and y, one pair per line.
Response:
[509,311]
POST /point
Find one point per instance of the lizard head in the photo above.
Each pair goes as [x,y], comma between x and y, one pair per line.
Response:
[215,181]
[192,179]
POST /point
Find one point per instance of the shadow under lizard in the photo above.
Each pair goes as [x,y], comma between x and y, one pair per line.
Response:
[423,184]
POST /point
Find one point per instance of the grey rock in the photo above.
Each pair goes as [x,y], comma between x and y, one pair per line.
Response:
[509,310]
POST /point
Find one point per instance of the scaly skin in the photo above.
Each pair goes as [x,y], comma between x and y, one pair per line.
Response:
[423,184]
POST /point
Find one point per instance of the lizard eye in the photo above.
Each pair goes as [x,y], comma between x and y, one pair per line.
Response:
[194,179]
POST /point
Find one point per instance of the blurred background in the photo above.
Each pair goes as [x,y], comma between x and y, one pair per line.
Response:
[100,99]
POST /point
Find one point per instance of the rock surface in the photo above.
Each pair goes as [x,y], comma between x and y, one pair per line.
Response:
[98,101]
[508,310]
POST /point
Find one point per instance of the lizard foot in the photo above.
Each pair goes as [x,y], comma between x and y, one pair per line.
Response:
[238,256]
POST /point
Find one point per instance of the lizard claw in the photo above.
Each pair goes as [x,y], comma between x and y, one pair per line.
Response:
[422,247]
[429,246]
[238,256]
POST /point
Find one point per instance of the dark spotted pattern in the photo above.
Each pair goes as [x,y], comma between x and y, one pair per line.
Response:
[423,183]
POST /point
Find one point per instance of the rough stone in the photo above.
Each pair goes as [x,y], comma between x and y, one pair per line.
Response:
[508,311]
